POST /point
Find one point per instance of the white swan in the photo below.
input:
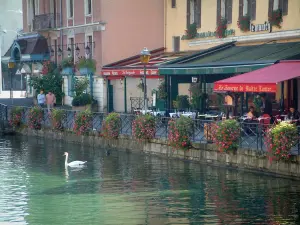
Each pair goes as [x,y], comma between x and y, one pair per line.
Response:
[74,163]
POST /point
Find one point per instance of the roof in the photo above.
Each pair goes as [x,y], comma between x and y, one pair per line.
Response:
[222,57]
[262,80]
[31,44]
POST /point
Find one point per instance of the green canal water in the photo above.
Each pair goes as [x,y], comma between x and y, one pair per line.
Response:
[125,188]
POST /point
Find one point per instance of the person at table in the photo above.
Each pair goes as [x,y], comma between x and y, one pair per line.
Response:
[266,105]
[293,114]
[252,114]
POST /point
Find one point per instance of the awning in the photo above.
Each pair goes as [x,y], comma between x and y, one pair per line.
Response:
[262,80]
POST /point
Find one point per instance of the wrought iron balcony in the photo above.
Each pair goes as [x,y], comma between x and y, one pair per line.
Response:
[46,21]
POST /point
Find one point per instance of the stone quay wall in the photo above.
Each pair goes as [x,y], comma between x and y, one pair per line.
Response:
[244,159]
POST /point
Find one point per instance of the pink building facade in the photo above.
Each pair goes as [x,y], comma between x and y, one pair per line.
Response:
[114,30]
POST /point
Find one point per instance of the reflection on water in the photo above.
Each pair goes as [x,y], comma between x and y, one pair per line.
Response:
[122,188]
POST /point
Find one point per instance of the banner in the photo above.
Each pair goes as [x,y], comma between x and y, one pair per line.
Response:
[268,88]
[116,72]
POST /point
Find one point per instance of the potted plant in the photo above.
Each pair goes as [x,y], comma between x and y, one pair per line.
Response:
[111,126]
[16,116]
[244,23]
[280,139]
[57,117]
[191,31]
[180,131]
[82,102]
[86,66]
[221,28]
[182,102]
[143,127]
[35,118]
[276,18]
[83,122]
[67,66]
[226,135]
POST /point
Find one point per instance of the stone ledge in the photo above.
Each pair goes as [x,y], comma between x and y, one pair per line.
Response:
[207,153]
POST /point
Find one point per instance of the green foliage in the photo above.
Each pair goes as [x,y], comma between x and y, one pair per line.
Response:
[226,135]
[57,116]
[161,92]
[182,102]
[87,63]
[180,131]
[83,122]
[111,126]
[221,28]
[257,102]
[67,62]
[276,18]
[52,81]
[16,116]
[197,96]
[191,31]
[143,127]
[81,85]
[280,139]
[82,100]
[244,23]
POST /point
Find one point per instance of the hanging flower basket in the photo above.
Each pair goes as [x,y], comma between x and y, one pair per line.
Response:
[85,71]
[276,18]
[244,23]
[67,71]
[221,28]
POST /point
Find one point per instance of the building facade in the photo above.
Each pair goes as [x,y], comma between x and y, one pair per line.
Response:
[11,23]
[207,14]
[112,29]
[230,37]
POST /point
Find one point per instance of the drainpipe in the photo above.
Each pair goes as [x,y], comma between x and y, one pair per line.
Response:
[61,31]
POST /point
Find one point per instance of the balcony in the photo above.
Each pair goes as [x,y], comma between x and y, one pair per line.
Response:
[46,22]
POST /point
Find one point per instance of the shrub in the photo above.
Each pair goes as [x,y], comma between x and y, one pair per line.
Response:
[82,100]
[83,122]
[276,18]
[244,23]
[35,118]
[226,135]
[16,116]
[280,139]
[182,102]
[180,131]
[111,126]
[57,116]
[143,127]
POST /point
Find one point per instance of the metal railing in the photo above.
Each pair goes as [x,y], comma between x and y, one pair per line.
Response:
[252,134]
[46,21]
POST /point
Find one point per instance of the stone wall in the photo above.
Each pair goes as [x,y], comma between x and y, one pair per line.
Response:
[205,153]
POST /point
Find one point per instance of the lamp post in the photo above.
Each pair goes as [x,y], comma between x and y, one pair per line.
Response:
[145,58]
[11,66]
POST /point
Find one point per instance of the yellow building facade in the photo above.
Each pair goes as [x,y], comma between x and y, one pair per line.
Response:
[180,13]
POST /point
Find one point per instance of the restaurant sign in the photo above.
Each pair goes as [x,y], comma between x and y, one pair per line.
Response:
[209,34]
[135,72]
[261,27]
[268,88]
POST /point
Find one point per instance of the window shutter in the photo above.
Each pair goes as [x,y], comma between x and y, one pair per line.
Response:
[241,8]
[188,13]
[228,11]
[285,7]
[173,3]
[198,13]
[253,10]
[218,10]
[271,5]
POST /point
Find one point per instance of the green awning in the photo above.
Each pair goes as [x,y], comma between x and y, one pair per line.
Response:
[233,59]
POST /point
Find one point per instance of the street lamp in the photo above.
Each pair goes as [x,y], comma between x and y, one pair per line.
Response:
[145,58]
[11,65]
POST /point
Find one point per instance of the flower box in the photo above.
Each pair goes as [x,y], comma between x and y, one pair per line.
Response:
[85,71]
[67,71]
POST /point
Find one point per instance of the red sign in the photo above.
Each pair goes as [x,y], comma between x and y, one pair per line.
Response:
[134,72]
[268,88]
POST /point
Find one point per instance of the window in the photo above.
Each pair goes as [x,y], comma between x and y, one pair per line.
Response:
[89,43]
[71,47]
[224,10]
[36,7]
[176,44]
[173,3]
[193,12]
[70,8]
[283,5]
[88,7]
[247,7]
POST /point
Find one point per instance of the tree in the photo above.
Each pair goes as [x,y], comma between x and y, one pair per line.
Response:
[50,80]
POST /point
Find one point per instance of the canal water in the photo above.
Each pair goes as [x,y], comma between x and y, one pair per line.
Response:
[125,188]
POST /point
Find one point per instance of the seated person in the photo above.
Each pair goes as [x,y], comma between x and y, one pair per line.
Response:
[252,114]
[293,114]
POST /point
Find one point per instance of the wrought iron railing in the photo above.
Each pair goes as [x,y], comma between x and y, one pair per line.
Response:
[252,135]
[46,21]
